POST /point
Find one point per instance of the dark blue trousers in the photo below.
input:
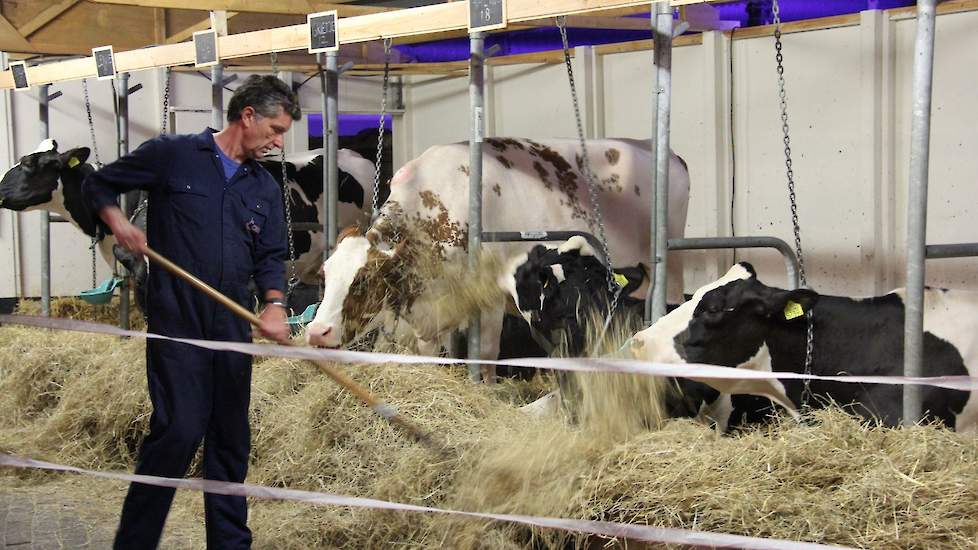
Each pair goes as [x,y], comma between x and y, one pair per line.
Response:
[197,394]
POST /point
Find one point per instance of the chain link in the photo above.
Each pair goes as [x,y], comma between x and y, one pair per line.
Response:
[166,101]
[98,166]
[782,96]
[595,219]
[380,130]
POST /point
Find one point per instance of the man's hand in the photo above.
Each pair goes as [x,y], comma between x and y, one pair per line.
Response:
[126,234]
[273,324]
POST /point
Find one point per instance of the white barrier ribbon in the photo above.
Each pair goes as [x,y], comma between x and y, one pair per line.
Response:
[661,535]
[583,364]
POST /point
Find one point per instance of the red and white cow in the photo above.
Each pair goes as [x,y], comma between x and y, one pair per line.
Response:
[528,185]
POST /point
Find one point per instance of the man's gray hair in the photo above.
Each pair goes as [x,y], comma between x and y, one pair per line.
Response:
[265,94]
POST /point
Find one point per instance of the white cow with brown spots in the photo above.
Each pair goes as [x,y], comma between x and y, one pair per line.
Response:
[528,185]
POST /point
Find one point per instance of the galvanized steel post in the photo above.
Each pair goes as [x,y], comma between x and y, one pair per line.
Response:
[923,73]
[477,111]
[217,97]
[122,134]
[662,88]
[329,80]
[42,101]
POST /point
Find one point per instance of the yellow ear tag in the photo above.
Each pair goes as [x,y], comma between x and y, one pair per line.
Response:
[72,162]
[792,310]
[620,280]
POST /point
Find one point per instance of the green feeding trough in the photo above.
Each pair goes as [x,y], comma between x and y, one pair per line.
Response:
[305,317]
[101,294]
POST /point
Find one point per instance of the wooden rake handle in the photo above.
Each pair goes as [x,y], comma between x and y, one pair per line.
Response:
[368,398]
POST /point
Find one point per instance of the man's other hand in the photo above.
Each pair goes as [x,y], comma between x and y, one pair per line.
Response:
[126,234]
[273,324]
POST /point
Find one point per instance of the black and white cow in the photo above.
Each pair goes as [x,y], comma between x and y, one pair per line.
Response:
[558,289]
[49,180]
[527,185]
[747,324]
[304,172]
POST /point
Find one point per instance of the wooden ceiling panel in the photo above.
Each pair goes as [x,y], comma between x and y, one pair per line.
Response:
[247,22]
[91,25]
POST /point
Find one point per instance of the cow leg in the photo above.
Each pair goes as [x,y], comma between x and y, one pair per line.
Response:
[489,332]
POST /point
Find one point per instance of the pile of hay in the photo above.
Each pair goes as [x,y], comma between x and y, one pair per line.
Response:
[80,399]
[76,308]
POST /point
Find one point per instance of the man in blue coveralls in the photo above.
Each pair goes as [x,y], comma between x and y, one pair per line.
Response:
[214,211]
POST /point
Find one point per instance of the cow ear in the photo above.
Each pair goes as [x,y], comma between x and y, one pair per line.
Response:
[629,278]
[74,157]
[790,305]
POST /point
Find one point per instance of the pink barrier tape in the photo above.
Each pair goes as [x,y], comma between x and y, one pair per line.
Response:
[662,535]
[631,366]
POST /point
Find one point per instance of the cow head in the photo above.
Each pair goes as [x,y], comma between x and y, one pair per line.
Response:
[731,323]
[559,288]
[362,276]
[32,182]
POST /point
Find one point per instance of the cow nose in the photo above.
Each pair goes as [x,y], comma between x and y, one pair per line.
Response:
[321,335]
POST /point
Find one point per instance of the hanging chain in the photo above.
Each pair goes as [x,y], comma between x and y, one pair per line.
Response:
[98,166]
[810,336]
[380,130]
[595,219]
[166,101]
[287,202]
[91,124]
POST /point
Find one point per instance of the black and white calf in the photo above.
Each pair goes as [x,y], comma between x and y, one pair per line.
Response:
[746,324]
[51,181]
[304,173]
[558,289]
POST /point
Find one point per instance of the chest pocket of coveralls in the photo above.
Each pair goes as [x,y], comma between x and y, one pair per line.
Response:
[188,197]
[255,213]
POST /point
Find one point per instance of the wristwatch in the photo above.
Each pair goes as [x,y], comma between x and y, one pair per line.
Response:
[280,302]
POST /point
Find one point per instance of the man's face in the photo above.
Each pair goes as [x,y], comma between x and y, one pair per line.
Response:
[262,133]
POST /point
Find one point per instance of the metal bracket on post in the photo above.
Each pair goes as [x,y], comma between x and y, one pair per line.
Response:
[229,79]
[217,96]
[122,135]
[913,335]
[477,113]
[329,82]
[55,95]
[134,89]
[42,97]
[655,306]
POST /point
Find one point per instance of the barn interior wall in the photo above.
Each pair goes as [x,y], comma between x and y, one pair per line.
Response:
[848,92]
[848,96]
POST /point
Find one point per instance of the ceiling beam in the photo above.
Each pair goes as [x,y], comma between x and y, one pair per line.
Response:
[188,32]
[597,22]
[286,7]
[10,38]
[46,17]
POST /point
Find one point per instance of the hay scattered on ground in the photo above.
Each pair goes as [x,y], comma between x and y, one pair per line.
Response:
[76,308]
[80,399]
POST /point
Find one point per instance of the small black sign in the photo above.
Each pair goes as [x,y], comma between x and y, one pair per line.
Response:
[322,32]
[104,62]
[19,71]
[485,15]
[205,48]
